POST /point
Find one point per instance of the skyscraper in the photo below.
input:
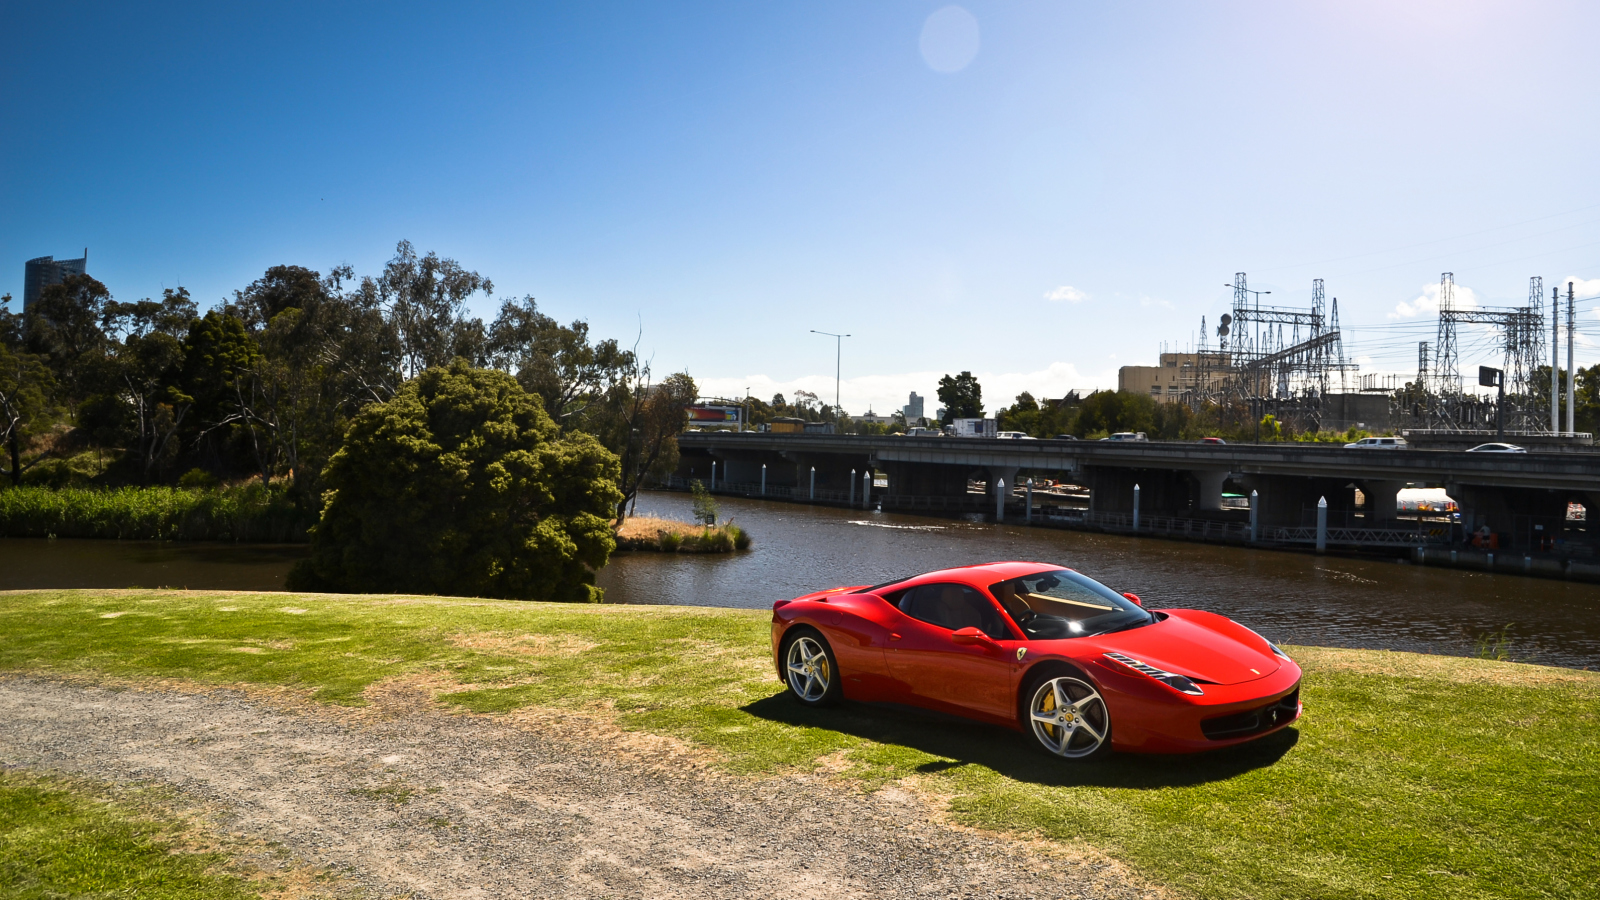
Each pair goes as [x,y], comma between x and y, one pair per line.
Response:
[913,410]
[47,270]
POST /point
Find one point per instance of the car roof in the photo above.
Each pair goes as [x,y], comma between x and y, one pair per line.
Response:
[979,574]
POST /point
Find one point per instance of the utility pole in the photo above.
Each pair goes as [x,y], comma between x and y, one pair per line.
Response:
[1555,359]
[1572,375]
[838,356]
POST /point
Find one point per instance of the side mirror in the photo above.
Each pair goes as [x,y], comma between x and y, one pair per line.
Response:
[1134,598]
[970,635]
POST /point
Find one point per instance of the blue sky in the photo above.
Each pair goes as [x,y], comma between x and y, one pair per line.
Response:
[730,176]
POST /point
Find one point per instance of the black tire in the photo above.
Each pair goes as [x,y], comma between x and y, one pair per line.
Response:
[1078,731]
[811,672]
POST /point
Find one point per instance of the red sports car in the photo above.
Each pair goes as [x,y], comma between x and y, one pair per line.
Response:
[1041,649]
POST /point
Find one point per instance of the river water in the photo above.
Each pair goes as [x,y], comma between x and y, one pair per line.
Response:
[1289,597]
[1294,598]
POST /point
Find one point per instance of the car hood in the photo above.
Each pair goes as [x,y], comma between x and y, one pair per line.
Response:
[1203,646]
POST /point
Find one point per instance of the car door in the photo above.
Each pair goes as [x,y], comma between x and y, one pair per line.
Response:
[929,663]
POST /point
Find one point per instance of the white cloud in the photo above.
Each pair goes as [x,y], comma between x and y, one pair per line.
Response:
[1581,287]
[884,394]
[1067,294]
[1427,303]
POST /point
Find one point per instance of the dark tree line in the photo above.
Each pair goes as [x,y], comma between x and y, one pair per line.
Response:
[266,384]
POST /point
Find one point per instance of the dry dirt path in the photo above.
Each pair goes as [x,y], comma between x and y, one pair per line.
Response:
[422,803]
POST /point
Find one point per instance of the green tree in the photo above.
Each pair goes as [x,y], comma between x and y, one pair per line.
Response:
[1107,412]
[962,397]
[25,389]
[463,485]
[143,369]
[555,361]
[65,328]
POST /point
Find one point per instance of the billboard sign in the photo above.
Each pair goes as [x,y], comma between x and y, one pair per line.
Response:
[714,416]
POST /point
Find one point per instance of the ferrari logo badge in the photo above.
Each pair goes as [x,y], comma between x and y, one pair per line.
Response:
[1021,652]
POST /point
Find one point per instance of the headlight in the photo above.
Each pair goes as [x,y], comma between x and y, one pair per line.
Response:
[1178,683]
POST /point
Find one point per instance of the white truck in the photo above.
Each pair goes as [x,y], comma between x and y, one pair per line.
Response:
[982,428]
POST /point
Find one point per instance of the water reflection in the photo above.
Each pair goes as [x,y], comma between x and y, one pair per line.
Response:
[1290,597]
[35,563]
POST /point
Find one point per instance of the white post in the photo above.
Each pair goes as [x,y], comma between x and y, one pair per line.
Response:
[852,487]
[1322,525]
[763,479]
[1030,501]
[1255,503]
[866,487]
[713,475]
[1136,507]
[999,499]
[813,494]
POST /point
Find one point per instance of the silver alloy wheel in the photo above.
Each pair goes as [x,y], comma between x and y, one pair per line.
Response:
[809,671]
[1069,717]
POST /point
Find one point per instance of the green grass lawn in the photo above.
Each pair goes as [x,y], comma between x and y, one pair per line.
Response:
[59,839]
[1410,776]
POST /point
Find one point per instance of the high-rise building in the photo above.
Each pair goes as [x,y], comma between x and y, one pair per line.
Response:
[47,270]
[913,410]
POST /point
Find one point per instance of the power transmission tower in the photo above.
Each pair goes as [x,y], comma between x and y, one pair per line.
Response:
[1446,373]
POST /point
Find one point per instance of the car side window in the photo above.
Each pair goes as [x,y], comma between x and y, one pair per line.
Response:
[954,606]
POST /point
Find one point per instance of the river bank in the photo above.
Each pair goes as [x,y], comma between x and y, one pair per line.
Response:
[1378,791]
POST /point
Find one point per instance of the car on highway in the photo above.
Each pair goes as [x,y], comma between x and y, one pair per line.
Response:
[1015,436]
[1378,443]
[1497,448]
[1126,436]
[1066,437]
[1042,649]
[1211,440]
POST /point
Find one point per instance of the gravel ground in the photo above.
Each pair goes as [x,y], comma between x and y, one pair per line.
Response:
[406,800]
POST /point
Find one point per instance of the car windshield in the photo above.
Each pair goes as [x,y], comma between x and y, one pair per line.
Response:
[1064,604]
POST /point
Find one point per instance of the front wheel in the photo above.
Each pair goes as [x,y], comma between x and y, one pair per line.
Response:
[1068,718]
[810,669]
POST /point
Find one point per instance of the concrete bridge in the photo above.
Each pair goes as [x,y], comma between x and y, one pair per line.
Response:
[1522,497]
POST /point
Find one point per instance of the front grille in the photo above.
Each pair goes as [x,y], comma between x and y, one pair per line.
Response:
[1253,721]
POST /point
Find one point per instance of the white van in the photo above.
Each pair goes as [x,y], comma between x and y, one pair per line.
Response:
[1379,443]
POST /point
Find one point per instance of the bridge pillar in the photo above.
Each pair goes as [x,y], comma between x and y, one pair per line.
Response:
[1209,488]
[1382,506]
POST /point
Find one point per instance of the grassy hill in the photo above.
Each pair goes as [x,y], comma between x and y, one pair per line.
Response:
[1410,776]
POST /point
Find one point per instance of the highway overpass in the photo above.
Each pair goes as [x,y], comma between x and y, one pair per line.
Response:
[1523,496]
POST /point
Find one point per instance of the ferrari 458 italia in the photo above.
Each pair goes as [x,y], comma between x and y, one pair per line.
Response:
[1044,650]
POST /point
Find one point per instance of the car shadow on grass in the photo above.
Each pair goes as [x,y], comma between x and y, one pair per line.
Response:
[961,742]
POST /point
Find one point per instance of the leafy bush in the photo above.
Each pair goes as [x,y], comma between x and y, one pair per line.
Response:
[197,479]
[670,541]
[247,513]
[705,508]
[463,485]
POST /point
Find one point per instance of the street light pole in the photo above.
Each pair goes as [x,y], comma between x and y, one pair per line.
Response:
[838,356]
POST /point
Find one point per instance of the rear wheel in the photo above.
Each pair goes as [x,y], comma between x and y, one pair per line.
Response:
[810,669]
[1068,718]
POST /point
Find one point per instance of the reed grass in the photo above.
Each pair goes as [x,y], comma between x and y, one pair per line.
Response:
[243,513]
[673,536]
